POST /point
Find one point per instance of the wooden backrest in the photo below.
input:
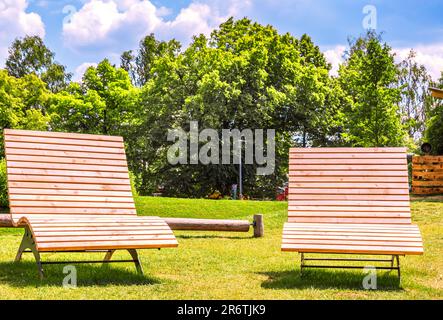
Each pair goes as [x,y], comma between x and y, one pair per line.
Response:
[348,185]
[66,173]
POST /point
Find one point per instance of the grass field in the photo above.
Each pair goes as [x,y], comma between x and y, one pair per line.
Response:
[219,265]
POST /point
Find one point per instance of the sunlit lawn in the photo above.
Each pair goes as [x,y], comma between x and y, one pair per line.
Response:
[221,265]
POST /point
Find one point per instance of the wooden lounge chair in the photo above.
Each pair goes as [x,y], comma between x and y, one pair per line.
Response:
[72,193]
[350,201]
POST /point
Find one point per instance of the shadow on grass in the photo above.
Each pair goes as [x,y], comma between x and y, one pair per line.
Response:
[25,274]
[328,279]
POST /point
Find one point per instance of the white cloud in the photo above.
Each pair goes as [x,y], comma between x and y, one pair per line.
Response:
[81,69]
[16,22]
[335,57]
[103,23]
[430,55]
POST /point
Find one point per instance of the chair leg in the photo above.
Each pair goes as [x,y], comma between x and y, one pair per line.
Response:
[108,255]
[29,243]
[134,256]
[398,266]
[302,263]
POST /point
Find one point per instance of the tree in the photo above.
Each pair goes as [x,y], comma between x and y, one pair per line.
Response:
[139,65]
[369,77]
[415,100]
[30,55]
[22,103]
[434,130]
[245,75]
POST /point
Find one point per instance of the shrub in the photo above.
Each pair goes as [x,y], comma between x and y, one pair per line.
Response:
[3,184]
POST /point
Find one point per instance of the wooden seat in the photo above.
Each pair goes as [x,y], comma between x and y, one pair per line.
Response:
[350,200]
[72,193]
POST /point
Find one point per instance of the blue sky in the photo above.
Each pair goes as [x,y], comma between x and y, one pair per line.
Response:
[83,32]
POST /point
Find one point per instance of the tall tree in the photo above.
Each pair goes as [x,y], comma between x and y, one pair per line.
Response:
[369,78]
[415,101]
[30,55]
[434,130]
[139,65]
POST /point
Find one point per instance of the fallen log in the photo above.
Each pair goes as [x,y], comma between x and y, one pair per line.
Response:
[194,224]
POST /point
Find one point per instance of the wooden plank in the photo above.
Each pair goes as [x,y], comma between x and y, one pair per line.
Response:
[64,141]
[363,192]
[72,192]
[350,220]
[69,186]
[351,249]
[90,238]
[349,214]
[136,244]
[348,179]
[351,185]
[437,183]
[427,159]
[293,207]
[66,166]
[68,173]
[331,226]
[70,204]
[69,198]
[350,238]
[353,203]
[68,154]
[63,232]
[348,150]
[14,132]
[382,243]
[87,211]
[346,161]
[428,191]
[346,156]
[61,179]
[349,173]
[58,147]
[356,168]
[54,159]
[376,197]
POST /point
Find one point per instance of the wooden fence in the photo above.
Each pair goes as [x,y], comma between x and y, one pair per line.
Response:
[427,175]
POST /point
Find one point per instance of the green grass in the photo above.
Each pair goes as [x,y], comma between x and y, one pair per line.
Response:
[221,265]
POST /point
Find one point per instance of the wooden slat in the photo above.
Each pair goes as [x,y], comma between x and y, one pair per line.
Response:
[329,196]
[348,150]
[356,168]
[362,192]
[69,186]
[345,161]
[314,219]
[69,198]
[59,147]
[348,173]
[113,244]
[345,156]
[64,141]
[351,249]
[65,166]
[20,211]
[68,173]
[67,179]
[70,204]
[292,207]
[69,192]
[52,134]
[68,154]
[53,159]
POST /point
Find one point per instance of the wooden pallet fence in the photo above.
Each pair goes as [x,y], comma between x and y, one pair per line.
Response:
[427,175]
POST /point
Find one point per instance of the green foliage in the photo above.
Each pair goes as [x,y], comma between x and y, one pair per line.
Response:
[368,77]
[22,103]
[3,184]
[30,55]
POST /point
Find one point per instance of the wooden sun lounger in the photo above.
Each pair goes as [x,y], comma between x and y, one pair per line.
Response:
[72,193]
[350,201]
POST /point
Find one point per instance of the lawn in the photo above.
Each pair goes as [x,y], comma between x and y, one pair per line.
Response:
[221,265]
